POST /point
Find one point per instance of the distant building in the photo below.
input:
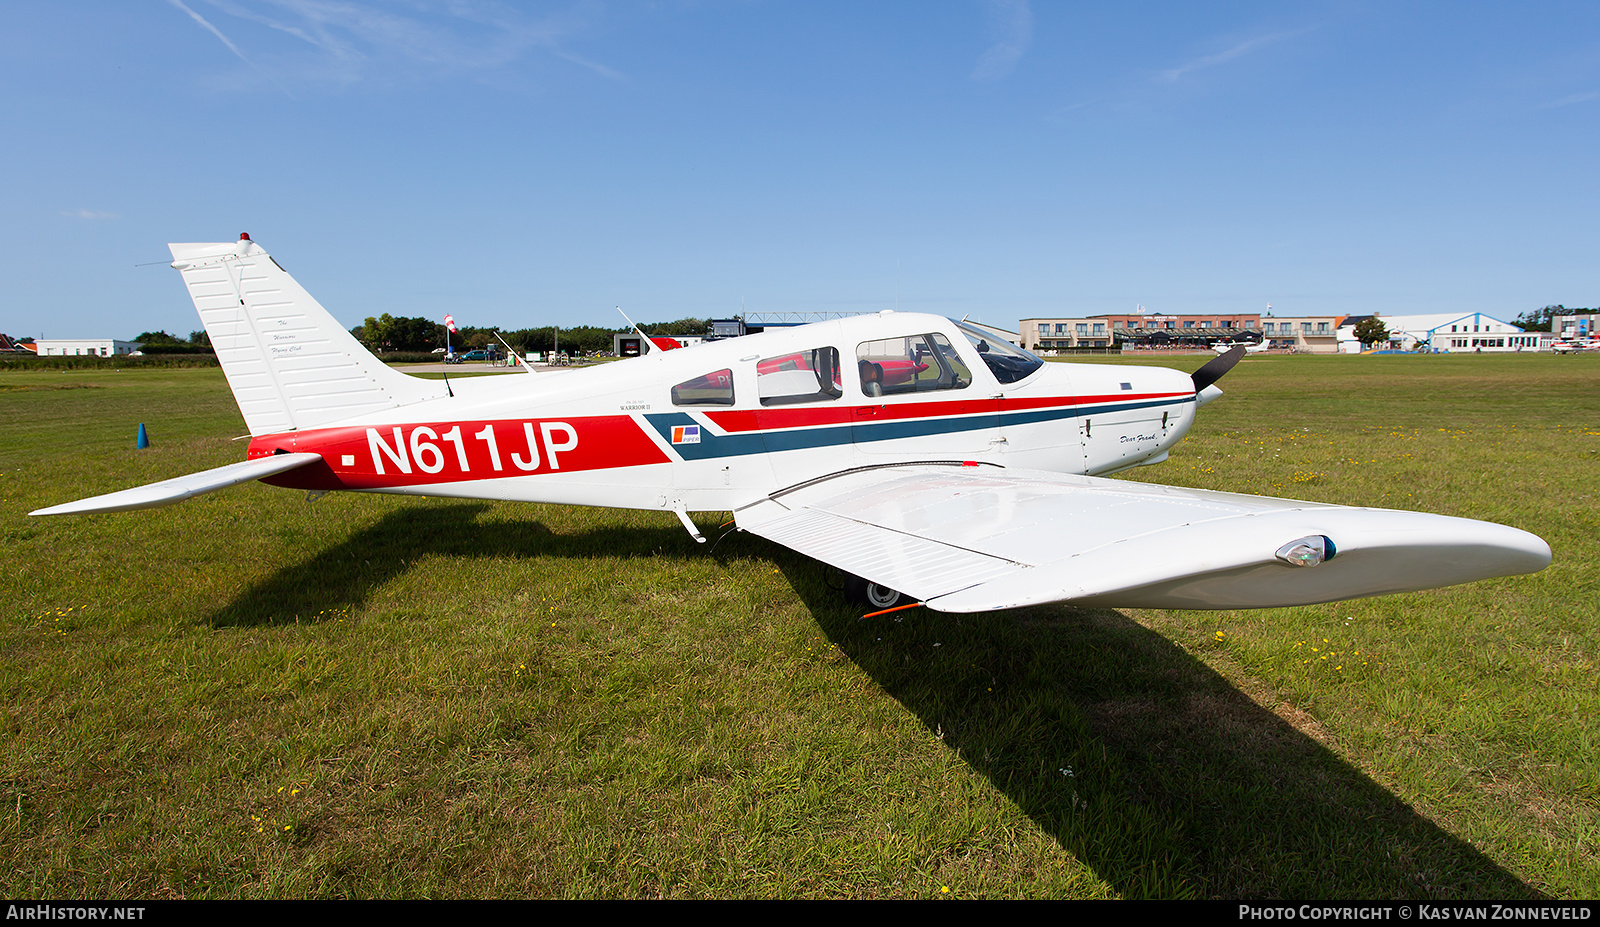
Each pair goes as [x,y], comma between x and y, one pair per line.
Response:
[1104,331]
[626,344]
[1308,335]
[1057,333]
[1448,333]
[1575,326]
[69,347]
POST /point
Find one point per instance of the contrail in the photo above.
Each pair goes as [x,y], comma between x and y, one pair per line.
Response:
[225,40]
[212,29]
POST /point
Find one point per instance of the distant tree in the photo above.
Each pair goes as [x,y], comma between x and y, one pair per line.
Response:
[162,343]
[160,337]
[419,334]
[531,340]
[201,338]
[1371,330]
[374,332]
[1539,320]
[387,333]
[585,339]
[690,326]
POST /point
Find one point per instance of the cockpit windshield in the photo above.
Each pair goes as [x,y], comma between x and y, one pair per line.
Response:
[1008,362]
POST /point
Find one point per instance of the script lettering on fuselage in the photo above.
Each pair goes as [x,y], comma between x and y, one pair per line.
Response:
[432,448]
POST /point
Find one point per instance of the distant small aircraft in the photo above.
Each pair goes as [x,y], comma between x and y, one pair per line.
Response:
[1250,347]
[927,460]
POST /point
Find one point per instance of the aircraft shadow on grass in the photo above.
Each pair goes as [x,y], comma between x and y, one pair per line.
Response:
[1138,759]
[347,574]
[1143,762]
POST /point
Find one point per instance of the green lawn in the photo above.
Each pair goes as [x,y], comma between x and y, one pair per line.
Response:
[249,695]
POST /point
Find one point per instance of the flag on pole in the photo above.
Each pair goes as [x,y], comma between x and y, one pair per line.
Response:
[450,322]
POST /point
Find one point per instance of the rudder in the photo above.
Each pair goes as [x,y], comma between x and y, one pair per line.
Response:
[290,364]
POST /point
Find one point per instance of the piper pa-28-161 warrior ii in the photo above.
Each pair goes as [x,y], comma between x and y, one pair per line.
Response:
[1250,347]
[928,460]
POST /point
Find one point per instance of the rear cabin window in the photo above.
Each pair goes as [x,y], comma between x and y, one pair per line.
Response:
[912,364]
[712,389]
[804,376]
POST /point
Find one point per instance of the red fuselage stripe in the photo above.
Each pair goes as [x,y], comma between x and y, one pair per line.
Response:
[380,456]
[742,420]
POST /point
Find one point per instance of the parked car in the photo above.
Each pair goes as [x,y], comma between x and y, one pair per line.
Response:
[479,354]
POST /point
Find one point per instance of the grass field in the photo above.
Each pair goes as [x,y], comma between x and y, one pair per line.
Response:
[252,696]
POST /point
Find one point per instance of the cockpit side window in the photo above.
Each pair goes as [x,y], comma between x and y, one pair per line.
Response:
[804,376]
[1005,360]
[712,389]
[910,364]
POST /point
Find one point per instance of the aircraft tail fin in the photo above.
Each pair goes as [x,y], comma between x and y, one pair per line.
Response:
[290,364]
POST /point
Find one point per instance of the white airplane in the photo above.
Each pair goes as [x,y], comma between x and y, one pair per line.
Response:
[1250,347]
[924,459]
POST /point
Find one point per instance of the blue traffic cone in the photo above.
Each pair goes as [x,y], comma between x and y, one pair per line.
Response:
[144,439]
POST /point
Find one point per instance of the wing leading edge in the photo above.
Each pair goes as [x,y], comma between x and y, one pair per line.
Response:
[972,539]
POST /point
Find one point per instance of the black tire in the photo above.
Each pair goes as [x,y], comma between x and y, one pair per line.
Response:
[874,596]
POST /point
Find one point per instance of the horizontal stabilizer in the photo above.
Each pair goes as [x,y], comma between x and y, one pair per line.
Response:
[971,539]
[166,492]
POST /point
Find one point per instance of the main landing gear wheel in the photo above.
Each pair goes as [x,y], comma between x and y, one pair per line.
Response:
[872,595]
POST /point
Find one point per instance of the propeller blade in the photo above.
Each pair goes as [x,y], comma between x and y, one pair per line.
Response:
[1216,367]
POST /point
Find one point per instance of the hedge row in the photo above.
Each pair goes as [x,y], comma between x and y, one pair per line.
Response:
[114,362]
[128,361]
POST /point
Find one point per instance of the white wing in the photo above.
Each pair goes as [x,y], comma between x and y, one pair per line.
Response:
[969,539]
[166,492]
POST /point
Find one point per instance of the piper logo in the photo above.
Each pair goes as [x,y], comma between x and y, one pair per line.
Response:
[685,434]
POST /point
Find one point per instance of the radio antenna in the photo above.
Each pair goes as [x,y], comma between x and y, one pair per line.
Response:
[645,344]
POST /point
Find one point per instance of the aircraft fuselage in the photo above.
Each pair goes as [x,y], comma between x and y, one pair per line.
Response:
[719,425]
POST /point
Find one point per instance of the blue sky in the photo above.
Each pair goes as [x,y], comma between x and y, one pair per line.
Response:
[533,163]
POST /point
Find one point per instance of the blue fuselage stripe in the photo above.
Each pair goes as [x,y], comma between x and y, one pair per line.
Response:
[711,445]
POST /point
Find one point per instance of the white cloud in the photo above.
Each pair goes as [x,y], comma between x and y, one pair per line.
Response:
[88,214]
[1572,99]
[1238,50]
[1011,26]
[206,25]
[340,41]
